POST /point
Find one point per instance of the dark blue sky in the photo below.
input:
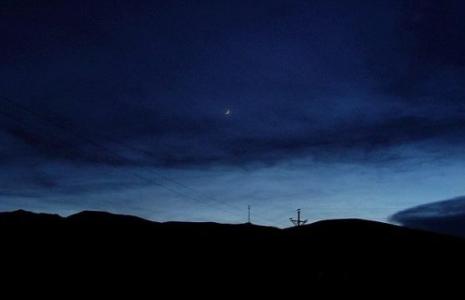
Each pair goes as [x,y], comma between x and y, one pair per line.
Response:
[341,108]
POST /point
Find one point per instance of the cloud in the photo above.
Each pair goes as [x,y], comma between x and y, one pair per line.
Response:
[447,216]
[111,83]
[363,141]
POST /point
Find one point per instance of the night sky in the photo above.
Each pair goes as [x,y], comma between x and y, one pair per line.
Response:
[192,110]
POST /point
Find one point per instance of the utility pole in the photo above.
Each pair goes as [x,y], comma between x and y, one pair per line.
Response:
[248,214]
[298,222]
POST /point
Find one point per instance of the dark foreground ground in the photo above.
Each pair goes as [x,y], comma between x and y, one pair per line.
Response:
[115,251]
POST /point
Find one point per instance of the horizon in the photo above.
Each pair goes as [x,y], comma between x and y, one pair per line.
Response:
[98,213]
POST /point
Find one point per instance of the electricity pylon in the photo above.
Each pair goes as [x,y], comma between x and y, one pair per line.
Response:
[248,214]
[298,222]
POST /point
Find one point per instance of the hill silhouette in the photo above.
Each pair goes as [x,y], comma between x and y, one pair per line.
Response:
[120,247]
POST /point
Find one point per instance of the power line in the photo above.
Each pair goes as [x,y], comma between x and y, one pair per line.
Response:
[116,156]
[118,159]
